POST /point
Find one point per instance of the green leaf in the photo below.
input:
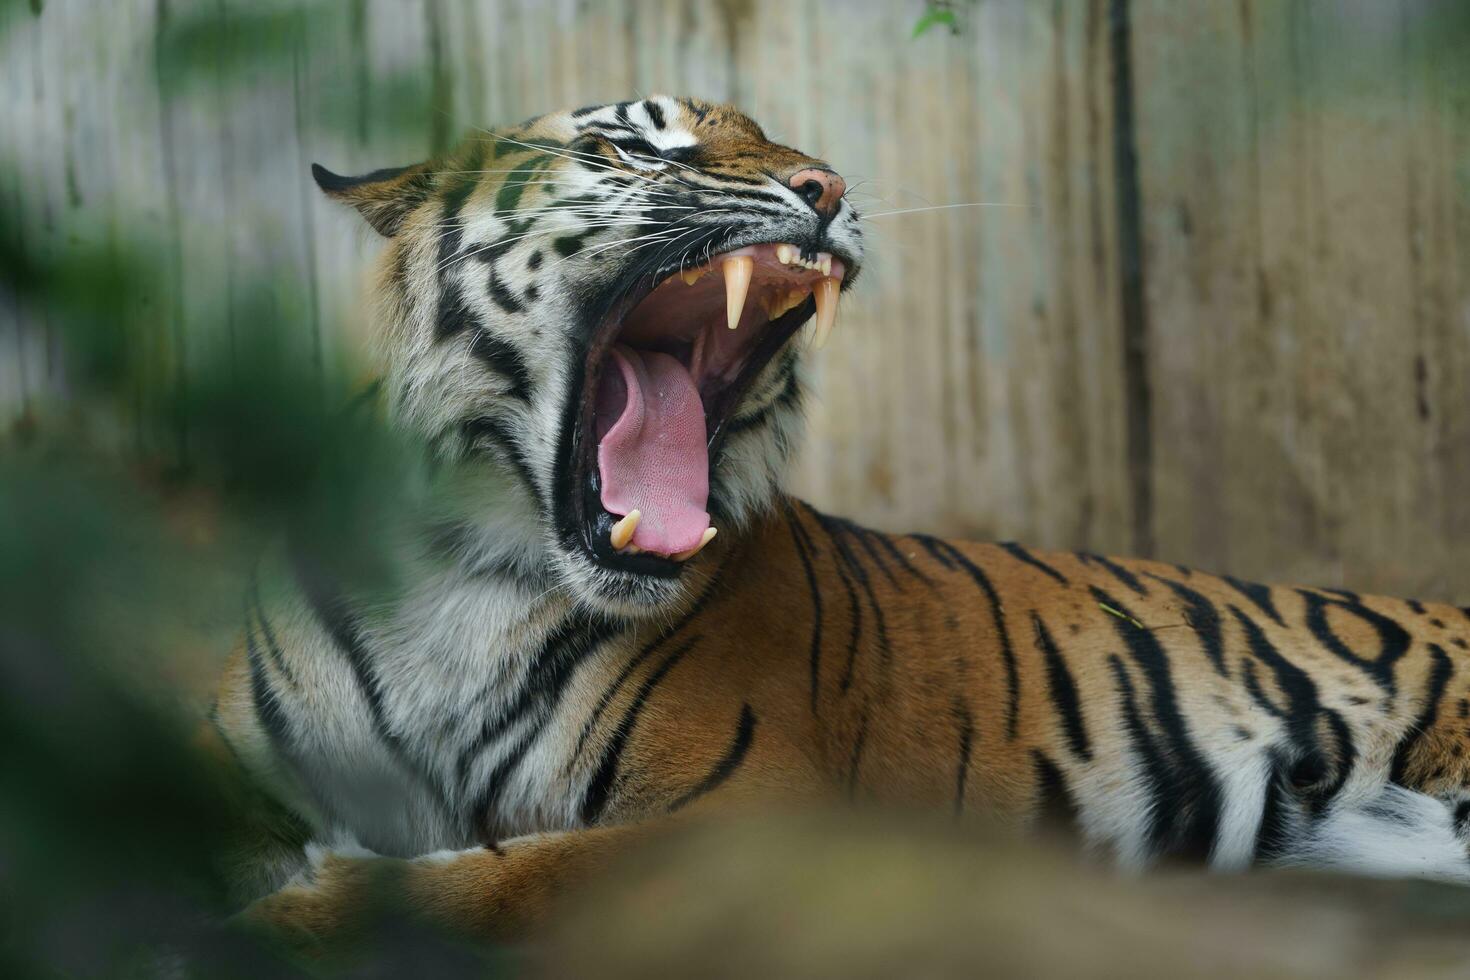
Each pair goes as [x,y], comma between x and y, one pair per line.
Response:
[935,16]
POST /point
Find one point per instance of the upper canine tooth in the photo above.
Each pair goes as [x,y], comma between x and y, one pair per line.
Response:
[824,262]
[826,294]
[622,531]
[709,533]
[785,253]
[738,271]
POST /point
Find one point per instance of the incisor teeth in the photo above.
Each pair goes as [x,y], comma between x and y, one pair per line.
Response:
[622,531]
[785,253]
[738,271]
[826,294]
[709,533]
[825,264]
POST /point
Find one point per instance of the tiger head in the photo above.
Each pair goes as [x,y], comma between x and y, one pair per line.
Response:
[603,306]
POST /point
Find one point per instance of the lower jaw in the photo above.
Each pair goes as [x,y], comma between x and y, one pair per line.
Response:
[592,523]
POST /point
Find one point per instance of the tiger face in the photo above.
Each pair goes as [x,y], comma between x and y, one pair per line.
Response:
[604,304]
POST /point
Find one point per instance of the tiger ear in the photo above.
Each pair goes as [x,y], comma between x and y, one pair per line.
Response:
[383,197]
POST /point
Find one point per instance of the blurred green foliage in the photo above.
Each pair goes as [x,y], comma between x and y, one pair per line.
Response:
[119,571]
[936,15]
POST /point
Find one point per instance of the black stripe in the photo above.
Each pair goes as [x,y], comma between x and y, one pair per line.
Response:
[1271,832]
[505,360]
[725,768]
[1063,692]
[501,294]
[945,553]
[1439,679]
[568,245]
[1117,571]
[332,612]
[863,537]
[460,188]
[934,553]
[508,197]
[488,428]
[1202,616]
[962,767]
[550,685]
[1260,595]
[655,113]
[491,253]
[1055,804]
[1258,693]
[1196,807]
[856,759]
[855,632]
[698,111]
[599,790]
[551,667]
[735,178]
[273,648]
[1156,774]
[267,703]
[1021,554]
[331,609]
[1296,684]
[1302,713]
[650,648]
[788,398]
[454,313]
[1393,639]
[837,532]
[815,656]
[887,541]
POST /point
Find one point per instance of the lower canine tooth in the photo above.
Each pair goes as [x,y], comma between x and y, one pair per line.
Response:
[709,533]
[622,531]
[826,294]
[738,271]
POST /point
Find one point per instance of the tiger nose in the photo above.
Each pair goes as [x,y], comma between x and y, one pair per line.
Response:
[822,189]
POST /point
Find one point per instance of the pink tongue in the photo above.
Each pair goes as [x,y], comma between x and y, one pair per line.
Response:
[654,457]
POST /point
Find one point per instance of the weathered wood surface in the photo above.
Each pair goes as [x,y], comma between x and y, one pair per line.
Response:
[1224,318]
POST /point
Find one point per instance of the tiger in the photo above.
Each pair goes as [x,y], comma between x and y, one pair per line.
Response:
[615,621]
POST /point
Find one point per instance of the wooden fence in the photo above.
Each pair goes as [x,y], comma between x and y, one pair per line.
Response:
[1223,317]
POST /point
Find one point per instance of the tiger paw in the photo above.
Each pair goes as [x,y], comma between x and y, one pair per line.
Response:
[330,903]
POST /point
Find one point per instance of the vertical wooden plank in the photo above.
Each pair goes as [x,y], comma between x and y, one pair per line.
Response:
[334,123]
[1287,188]
[1437,147]
[974,385]
[14,69]
[1304,211]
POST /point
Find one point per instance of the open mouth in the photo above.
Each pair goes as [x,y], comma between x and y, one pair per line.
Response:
[665,372]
